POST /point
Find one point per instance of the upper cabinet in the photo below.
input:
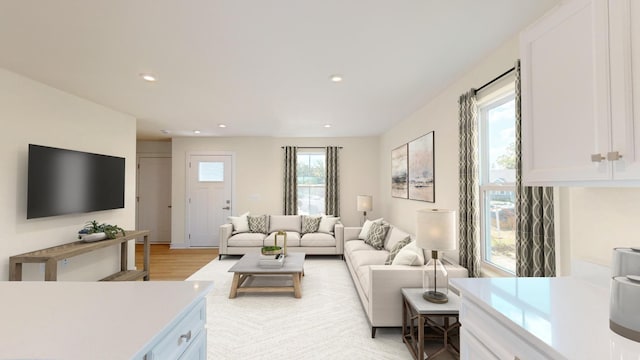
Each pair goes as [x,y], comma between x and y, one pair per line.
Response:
[579,92]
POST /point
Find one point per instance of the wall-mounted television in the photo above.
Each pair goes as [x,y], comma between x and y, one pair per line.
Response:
[62,181]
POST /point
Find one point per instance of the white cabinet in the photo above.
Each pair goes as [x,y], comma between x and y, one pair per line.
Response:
[577,95]
[185,337]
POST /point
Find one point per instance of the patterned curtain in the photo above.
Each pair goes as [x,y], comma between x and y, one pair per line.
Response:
[468,219]
[535,240]
[290,180]
[332,195]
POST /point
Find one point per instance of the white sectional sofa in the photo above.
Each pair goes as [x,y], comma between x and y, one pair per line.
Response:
[378,285]
[326,240]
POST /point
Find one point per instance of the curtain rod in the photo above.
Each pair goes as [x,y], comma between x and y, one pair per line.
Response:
[496,79]
[312,147]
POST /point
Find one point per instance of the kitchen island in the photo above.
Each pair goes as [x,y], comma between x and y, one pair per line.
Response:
[103,320]
[538,318]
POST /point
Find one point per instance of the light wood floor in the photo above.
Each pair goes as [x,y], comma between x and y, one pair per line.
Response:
[174,264]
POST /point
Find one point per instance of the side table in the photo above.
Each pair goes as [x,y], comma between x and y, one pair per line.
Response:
[418,313]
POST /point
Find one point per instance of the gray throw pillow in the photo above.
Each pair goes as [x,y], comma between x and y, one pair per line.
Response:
[396,249]
[258,224]
[377,234]
[310,224]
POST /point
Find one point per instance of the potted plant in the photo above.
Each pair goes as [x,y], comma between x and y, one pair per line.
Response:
[93,231]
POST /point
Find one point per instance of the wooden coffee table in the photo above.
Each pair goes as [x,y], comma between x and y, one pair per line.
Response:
[248,267]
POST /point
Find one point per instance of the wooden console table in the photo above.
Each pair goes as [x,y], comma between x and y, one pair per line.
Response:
[52,255]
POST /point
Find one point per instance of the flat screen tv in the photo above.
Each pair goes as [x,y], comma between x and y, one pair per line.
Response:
[64,181]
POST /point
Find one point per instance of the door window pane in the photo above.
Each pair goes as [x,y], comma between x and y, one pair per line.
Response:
[210,171]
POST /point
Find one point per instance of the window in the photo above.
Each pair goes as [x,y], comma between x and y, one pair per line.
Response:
[210,171]
[497,179]
[311,170]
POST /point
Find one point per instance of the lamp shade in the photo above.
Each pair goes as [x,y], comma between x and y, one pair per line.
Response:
[436,229]
[365,202]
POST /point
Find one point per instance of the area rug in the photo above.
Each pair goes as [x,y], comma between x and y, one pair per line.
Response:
[328,322]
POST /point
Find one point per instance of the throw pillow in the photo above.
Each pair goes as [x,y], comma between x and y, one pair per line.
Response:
[310,224]
[409,255]
[366,227]
[327,223]
[258,224]
[376,235]
[240,223]
[396,249]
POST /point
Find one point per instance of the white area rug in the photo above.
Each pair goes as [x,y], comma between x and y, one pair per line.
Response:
[328,322]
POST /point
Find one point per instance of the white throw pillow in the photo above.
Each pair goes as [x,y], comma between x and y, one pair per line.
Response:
[366,227]
[409,255]
[327,223]
[240,223]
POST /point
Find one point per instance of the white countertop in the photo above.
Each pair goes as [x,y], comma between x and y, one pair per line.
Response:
[89,320]
[568,318]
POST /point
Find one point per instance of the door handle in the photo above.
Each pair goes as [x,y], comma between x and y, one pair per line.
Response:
[226,208]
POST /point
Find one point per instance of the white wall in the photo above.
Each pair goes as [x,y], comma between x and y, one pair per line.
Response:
[601,219]
[590,221]
[439,115]
[259,174]
[32,112]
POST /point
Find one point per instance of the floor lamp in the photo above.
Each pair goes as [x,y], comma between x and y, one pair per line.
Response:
[365,203]
[435,231]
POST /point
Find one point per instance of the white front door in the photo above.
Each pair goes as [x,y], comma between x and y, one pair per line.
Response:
[154,197]
[209,198]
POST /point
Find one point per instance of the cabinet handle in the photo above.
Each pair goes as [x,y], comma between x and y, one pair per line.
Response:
[597,157]
[613,156]
[186,336]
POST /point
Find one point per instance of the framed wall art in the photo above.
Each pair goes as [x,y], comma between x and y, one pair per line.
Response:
[399,175]
[421,169]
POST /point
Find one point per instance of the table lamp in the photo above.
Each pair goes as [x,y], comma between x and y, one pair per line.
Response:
[435,231]
[365,203]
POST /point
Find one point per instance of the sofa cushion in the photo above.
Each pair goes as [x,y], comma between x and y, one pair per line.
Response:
[245,240]
[327,224]
[409,255]
[293,239]
[317,239]
[394,236]
[396,249]
[240,223]
[258,224]
[284,223]
[366,227]
[356,245]
[368,257]
[310,224]
[376,235]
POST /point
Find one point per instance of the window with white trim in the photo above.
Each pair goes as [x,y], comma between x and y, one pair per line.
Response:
[497,178]
[311,171]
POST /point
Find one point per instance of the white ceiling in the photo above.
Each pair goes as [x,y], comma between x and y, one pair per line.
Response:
[261,67]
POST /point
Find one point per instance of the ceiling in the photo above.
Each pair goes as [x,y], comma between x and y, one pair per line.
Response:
[261,67]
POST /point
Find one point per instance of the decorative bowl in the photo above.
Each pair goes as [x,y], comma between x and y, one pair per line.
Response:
[271,250]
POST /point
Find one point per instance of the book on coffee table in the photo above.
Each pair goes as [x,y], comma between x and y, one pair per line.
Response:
[271,260]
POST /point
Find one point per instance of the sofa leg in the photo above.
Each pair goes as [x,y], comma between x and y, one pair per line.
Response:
[373,332]
[219,257]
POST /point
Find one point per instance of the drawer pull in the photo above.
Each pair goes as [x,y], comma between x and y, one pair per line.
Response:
[613,156]
[186,336]
[597,157]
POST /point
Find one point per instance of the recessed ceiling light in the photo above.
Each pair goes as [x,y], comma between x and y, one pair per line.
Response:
[222,125]
[196,131]
[148,77]
[336,78]
[327,125]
